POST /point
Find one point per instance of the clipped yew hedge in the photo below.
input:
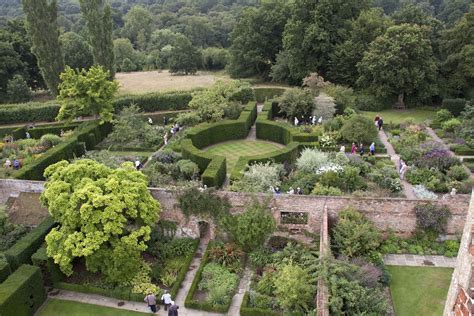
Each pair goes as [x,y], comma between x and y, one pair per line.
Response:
[22,293]
[28,112]
[215,173]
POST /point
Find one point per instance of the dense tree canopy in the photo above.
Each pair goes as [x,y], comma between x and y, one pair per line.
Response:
[86,92]
[77,52]
[104,216]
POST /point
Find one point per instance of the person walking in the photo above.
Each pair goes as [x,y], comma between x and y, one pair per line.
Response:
[380,123]
[150,299]
[342,149]
[403,170]
[372,149]
[296,121]
[376,120]
[173,310]
[353,149]
[166,299]
[362,149]
[16,164]
[8,163]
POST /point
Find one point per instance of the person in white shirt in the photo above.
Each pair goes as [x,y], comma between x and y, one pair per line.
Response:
[296,121]
[166,299]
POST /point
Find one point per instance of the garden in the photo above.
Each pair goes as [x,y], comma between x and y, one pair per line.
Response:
[431,168]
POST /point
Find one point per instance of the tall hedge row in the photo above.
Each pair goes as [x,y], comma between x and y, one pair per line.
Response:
[47,111]
[215,173]
[265,94]
[23,292]
[87,135]
[20,253]
[39,131]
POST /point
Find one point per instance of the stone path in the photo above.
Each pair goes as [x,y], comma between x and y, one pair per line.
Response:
[252,135]
[419,261]
[239,296]
[407,187]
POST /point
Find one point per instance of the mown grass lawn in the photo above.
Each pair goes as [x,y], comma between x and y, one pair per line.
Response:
[419,290]
[69,308]
[232,150]
[399,116]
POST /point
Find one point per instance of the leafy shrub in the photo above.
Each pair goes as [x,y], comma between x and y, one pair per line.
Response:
[18,90]
[457,173]
[451,125]
[443,115]
[367,102]
[193,201]
[359,129]
[251,228]
[296,103]
[354,235]
[437,158]
[262,301]
[228,255]
[386,178]
[304,181]
[260,177]
[432,218]
[50,140]
[177,247]
[260,257]
[311,160]
[188,119]
[187,169]
[9,232]
[455,106]
[343,96]
[421,175]
[422,192]
[293,289]
[320,189]
[167,156]
[219,282]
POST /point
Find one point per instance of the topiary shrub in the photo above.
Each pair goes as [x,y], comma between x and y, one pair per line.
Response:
[359,129]
[443,115]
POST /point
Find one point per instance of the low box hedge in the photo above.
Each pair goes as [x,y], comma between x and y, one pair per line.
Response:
[245,310]
[118,293]
[20,253]
[5,269]
[462,150]
[22,293]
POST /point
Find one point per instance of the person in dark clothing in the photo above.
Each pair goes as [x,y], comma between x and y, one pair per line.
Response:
[380,123]
[361,149]
[150,299]
[173,310]
[165,121]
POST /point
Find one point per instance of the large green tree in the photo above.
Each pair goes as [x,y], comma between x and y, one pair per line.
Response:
[137,26]
[98,18]
[400,63]
[367,27]
[458,47]
[104,216]
[86,92]
[184,57]
[10,65]
[77,52]
[313,31]
[42,26]
[257,39]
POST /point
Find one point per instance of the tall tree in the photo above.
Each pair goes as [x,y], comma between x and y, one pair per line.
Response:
[10,65]
[98,18]
[77,52]
[137,26]
[367,27]
[313,31]
[42,27]
[458,47]
[184,57]
[257,39]
[400,63]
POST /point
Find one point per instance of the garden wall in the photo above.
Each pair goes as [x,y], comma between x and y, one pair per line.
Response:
[387,213]
[458,292]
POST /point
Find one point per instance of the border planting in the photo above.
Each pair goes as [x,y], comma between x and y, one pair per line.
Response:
[265,94]
[213,167]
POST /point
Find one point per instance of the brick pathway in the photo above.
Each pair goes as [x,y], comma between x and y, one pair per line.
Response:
[419,261]
[239,296]
[407,187]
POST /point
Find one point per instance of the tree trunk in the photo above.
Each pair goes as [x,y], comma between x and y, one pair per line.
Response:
[401,101]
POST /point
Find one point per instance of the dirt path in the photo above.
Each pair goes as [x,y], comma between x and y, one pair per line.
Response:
[407,187]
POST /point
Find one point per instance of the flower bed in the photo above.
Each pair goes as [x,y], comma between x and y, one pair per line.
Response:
[217,278]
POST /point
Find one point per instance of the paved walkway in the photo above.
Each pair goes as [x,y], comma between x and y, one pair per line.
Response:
[407,187]
[419,261]
[239,296]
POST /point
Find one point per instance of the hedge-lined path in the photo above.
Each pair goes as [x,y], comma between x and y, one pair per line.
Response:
[419,261]
[244,286]
[407,187]
[252,135]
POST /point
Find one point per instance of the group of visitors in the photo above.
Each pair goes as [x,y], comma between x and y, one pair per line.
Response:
[298,191]
[313,120]
[16,164]
[168,303]
[360,149]
[378,121]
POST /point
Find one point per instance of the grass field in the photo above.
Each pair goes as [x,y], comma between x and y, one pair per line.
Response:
[419,290]
[153,81]
[399,116]
[69,308]
[232,150]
